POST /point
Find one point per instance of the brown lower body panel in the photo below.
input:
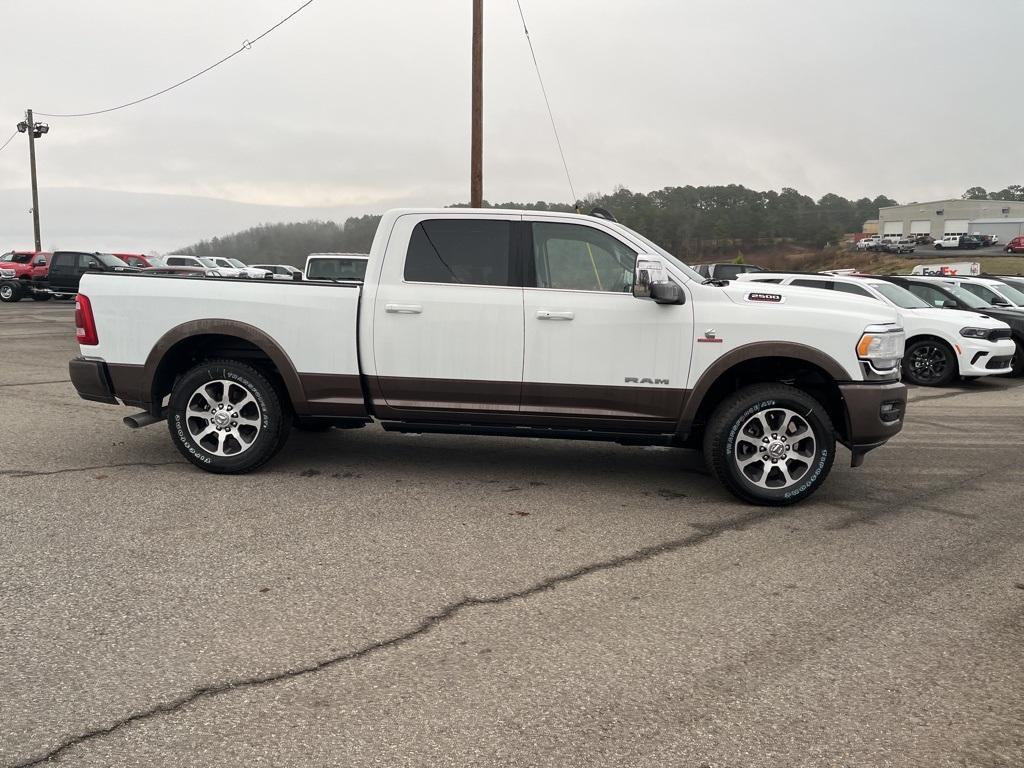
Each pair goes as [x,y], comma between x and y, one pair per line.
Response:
[648,409]
[331,394]
[868,426]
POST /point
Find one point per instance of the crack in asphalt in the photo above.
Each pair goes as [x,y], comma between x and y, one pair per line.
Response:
[706,532]
[46,472]
[33,383]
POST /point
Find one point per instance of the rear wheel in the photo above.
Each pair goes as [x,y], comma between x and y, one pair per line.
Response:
[40,296]
[929,363]
[226,417]
[770,444]
[10,292]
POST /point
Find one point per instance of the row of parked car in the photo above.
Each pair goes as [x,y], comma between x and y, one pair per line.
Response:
[956,326]
[42,275]
[906,244]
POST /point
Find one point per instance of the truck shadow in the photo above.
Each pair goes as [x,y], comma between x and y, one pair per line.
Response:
[513,464]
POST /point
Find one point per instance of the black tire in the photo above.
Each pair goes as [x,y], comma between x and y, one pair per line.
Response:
[10,292]
[236,447]
[1017,361]
[38,296]
[734,452]
[929,363]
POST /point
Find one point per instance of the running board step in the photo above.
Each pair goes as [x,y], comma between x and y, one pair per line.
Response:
[625,438]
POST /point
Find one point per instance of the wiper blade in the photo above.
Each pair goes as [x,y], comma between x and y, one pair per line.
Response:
[718,283]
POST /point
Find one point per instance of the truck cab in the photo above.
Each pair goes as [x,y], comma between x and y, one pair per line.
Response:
[68,267]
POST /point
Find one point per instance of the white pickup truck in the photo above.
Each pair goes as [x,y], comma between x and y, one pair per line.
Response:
[515,323]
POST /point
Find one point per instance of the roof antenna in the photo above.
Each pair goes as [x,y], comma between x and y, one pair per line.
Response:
[602,213]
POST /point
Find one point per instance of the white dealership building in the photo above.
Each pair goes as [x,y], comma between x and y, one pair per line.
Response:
[1004,218]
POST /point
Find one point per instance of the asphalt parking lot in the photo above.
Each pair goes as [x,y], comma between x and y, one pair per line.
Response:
[373,599]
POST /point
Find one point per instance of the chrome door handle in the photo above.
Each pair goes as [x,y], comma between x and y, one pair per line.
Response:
[547,314]
[403,309]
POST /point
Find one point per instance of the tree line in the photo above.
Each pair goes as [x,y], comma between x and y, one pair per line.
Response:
[686,221]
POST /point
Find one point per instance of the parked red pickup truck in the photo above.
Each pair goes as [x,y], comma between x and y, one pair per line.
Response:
[18,270]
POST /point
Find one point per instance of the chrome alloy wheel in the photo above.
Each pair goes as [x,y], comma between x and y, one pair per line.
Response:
[223,418]
[775,448]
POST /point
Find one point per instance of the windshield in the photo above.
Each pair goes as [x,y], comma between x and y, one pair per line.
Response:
[1011,293]
[336,269]
[967,297]
[110,260]
[208,262]
[17,258]
[901,297]
[690,273]
[235,263]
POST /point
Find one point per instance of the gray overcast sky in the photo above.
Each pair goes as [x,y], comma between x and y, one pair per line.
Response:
[357,106]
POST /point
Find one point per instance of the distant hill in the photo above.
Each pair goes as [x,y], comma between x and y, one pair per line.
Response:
[141,222]
[290,243]
[692,222]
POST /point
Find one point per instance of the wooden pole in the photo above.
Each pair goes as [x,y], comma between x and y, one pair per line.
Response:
[476,164]
[35,186]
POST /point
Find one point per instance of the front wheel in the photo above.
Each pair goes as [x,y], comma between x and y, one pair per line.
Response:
[1017,361]
[226,417]
[929,363]
[10,293]
[770,444]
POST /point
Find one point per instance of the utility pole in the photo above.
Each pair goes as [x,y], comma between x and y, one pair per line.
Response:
[35,131]
[35,186]
[476,164]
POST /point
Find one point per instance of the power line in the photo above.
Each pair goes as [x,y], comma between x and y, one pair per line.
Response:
[547,103]
[246,45]
[9,140]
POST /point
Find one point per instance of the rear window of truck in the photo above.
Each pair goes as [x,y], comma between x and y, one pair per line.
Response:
[466,251]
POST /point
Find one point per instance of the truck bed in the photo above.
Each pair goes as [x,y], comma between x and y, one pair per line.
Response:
[138,315]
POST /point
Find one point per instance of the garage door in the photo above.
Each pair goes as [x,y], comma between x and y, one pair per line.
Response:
[1005,230]
[892,228]
[956,226]
[921,227]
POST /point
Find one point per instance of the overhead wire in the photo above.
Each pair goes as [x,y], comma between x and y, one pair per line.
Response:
[246,45]
[547,102]
[9,140]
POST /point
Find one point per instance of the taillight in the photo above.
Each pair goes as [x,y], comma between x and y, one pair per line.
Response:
[85,323]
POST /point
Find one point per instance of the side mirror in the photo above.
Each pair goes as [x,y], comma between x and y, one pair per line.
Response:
[40,262]
[667,292]
[949,304]
[647,272]
[94,265]
[296,276]
[1001,303]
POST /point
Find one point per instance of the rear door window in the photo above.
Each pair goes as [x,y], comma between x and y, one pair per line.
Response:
[856,290]
[460,251]
[827,285]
